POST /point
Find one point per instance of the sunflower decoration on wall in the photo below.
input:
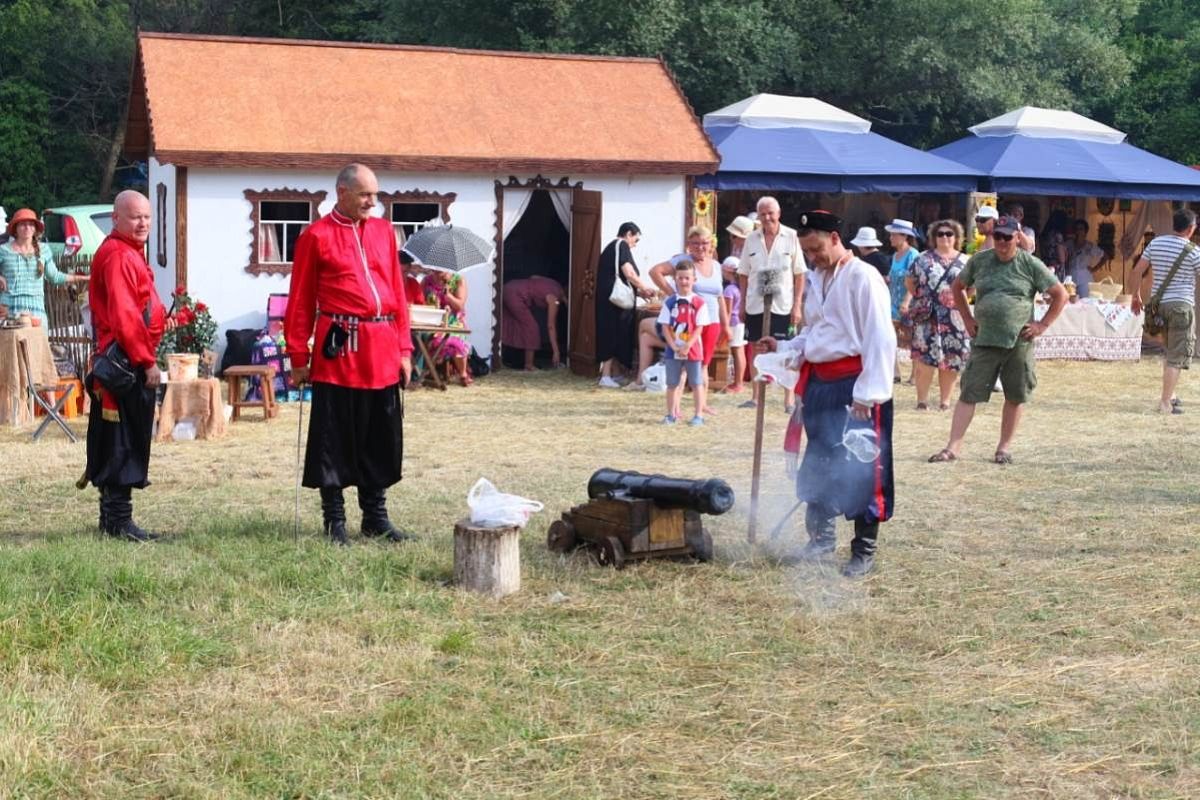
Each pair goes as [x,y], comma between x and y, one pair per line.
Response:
[703,205]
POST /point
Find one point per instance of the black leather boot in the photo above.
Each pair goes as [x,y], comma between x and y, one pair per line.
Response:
[103,523]
[117,514]
[375,522]
[862,550]
[333,510]
[822,533]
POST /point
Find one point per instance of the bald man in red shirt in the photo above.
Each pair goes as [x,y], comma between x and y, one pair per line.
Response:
[347,293]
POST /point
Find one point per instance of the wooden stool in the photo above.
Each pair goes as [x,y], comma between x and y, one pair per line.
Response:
[266,374]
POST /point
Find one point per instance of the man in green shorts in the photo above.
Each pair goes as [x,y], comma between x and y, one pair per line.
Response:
[1002,329]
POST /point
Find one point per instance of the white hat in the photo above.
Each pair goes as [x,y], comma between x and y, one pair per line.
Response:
[741,227]
[901,226]
[866,237]
[987,212]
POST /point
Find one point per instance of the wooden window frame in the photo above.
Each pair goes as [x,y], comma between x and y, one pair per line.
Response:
[314,199]
[160,193]
[440,199]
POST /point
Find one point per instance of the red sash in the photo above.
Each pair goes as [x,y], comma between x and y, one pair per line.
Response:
[846,367]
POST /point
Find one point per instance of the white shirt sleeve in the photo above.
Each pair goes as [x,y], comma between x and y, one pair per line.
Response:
[795,345]
[664,315]
[874,384]
[799,267]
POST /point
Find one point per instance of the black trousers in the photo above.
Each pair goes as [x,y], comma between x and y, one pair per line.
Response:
[355,438]
[118,443]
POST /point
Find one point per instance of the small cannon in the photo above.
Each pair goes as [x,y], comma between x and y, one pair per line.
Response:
[631,515]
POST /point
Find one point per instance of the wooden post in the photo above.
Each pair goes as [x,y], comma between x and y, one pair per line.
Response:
[760,415]
[487,560]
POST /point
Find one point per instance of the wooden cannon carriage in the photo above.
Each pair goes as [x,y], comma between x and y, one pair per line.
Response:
[631,515]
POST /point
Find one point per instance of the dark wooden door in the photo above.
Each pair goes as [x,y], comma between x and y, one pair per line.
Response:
[585,252]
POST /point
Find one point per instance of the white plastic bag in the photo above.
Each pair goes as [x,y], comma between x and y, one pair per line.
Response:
[185,430]
[654,377]
[491,508]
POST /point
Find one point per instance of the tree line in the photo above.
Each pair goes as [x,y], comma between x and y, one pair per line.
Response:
[921,70]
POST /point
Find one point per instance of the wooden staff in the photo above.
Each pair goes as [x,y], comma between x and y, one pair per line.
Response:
[768,282]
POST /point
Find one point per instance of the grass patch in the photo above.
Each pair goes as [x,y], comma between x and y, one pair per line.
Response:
[1032,631]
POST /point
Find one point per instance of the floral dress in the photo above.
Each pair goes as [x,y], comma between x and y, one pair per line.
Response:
[939,337]
[436,292]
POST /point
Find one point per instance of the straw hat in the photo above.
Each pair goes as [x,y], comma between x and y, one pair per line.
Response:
[25,215]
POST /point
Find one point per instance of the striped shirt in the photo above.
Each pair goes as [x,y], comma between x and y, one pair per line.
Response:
[1161,253]
[26,290]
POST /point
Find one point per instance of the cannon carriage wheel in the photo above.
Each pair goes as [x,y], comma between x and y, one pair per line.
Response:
[610,552]
[561,537]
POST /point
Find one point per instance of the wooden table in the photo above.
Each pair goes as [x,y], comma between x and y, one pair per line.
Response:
[200,399]
[16,408]
[420,334]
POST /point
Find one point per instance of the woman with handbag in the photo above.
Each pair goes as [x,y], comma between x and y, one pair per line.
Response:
[618,284]
[939,338]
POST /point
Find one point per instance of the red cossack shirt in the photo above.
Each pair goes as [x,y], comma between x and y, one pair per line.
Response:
[125,307]
[342,266]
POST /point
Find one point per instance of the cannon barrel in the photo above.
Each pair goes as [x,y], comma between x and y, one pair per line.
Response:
[711,496]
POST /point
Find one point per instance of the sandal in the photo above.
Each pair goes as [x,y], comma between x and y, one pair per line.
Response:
[1002,457]
[944,407]
[942,456]
[1176,402]
[922,406]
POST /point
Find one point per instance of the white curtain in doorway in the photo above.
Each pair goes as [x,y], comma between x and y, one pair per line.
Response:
[515,203]
[562,207]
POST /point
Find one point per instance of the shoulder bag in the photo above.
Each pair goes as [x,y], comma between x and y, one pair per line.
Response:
[622,294]
[1155,323]
[920,309]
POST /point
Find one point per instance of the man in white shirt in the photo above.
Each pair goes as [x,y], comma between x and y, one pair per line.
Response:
[1178,300]
[1083,258]
[771,261]
[846,352]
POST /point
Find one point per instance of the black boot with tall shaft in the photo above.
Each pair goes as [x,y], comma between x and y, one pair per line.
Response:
[375,522]
[333,511]
[862,550]
[116,514]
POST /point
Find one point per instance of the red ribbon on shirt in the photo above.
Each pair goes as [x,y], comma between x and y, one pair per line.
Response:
[846,367]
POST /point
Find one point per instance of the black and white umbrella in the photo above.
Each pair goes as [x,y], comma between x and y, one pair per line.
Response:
[448,248]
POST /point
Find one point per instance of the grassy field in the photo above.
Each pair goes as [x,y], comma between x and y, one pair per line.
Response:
[1033,630]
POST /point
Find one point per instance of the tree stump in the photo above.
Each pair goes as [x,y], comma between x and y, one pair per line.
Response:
[487,560]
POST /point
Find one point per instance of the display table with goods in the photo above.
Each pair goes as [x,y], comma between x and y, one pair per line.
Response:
[191,405]
[1090,330]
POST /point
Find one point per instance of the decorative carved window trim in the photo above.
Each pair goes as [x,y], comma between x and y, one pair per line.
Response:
[442,200]
[160,192]
[287,195]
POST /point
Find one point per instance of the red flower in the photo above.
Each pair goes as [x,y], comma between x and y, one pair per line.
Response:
[184,316]
[201,308]
[180,290]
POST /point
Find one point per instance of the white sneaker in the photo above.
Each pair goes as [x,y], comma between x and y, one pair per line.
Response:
[609,383]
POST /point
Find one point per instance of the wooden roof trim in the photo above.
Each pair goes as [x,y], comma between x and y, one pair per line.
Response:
[402,47]
[401,163]
[139,125]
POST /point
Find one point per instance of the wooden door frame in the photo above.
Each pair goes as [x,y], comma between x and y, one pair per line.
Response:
[536,182]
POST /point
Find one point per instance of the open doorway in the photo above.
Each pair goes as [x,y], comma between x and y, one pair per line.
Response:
[539,244]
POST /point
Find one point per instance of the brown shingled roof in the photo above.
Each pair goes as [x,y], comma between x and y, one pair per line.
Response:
[223,101]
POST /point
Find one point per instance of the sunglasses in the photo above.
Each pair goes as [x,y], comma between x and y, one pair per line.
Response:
[982,220]
[941,234]
[698,244]
[1002,237]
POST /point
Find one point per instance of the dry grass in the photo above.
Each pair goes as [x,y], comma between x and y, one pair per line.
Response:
[1032,631]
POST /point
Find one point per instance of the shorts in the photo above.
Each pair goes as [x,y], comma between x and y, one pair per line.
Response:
[739,335]
[695,372]
[1180,337]
[1014,366]
[779,326]
[709,335]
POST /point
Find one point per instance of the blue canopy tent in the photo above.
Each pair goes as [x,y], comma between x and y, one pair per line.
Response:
[801,144]
[1047,152]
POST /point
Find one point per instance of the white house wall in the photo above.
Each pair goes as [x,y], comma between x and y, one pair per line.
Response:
[219,238]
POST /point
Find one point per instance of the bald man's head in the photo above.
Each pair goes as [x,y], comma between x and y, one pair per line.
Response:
[131,215]
[357,191]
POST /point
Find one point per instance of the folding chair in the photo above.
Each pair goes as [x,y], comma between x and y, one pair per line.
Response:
[53,410]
